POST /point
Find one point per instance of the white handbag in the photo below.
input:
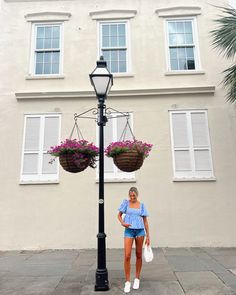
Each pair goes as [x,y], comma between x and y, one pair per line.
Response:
[147,253]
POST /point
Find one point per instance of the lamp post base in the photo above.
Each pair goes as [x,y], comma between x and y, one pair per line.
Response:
[102,283]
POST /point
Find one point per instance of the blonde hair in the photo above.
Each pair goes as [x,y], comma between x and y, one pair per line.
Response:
[133,189]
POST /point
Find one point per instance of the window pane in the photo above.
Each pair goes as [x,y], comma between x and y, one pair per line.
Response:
[122,66]
[47,43]
[105,30]
[105,41]
[188,27]
[47,57]
[55,43]
[173,53]
[181,53]
[55,57]
[48,32]
[55,68]
[56,32]
[189,51]
[188,39]
[173,39]
[202,160]
[39,43]
[180,39]
[191,64]
[180,27]
[182,161]
[106,54]
[39,56]
[172,27]
[114,67]
[49,168]
[40,32]
[121,29]
[47,68]
[39,68]
[122,41]
[114,41]
[30,164]
[182,64]
[113,30]
[114,55]
[174,64]
[122,55]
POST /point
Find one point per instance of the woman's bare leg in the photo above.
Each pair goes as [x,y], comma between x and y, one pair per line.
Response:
[139,251]
[128,242]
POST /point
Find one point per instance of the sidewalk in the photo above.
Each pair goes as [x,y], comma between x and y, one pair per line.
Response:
[174,271]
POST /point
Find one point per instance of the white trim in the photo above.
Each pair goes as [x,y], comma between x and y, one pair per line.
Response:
[47,16]
[159,92]
[112,14]
[39,177]
[193,175]
[32,74]
[178,11]
[196,51]
[127,40]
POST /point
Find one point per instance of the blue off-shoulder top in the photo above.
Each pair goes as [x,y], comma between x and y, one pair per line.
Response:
[133,216]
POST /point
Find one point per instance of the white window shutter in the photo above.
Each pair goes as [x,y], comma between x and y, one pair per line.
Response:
[31,145]
[180,130]
[108,138]
[51,135]
[199,129]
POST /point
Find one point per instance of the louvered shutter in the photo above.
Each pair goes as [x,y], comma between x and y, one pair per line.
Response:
[201,145]
[181,142]
[51,135]
[31,146]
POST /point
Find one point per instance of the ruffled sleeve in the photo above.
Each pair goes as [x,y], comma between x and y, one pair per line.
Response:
[144,210]
[123,206]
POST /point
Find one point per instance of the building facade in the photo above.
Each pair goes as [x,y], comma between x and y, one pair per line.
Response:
[166,75]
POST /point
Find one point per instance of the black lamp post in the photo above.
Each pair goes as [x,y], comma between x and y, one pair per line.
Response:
[102,80]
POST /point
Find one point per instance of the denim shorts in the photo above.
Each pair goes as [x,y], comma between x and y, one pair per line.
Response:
[133,233]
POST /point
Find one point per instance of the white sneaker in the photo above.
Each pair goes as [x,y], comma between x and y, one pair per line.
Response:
[127,287]
[136,284]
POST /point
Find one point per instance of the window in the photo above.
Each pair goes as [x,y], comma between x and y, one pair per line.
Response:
[113,46]
[47,49]
[181,41]
[190,144]
[40,133]
[113,132]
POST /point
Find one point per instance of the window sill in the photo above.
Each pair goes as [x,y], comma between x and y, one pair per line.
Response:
[176,73]
[117,180]
[39,182]
[193,179]
[43,77]
[123,75]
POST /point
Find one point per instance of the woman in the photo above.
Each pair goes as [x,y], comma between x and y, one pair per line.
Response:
[135,221]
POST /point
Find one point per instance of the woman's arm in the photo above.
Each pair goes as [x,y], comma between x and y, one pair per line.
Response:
[145,221]
[121,220]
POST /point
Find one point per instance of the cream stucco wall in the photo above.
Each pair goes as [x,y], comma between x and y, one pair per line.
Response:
[64,215]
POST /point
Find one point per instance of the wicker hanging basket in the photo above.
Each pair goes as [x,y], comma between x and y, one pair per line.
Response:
[69,163]
[129,161]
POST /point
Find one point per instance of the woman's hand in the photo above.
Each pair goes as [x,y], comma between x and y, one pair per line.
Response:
[127,225]
[147,241]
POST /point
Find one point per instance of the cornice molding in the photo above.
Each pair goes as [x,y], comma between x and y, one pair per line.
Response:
[113,14]
[48,16]
[178,11]
[135,93]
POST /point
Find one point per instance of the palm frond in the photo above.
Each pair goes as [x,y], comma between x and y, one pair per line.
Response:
[230,83]
[224,36]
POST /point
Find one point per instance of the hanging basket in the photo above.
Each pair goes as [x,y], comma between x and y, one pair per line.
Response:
[129,161]
[69,163]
